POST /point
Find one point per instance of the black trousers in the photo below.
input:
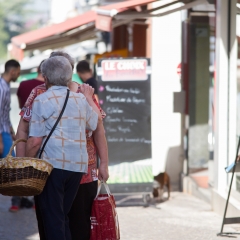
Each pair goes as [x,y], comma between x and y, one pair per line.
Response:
[55,202]
[79,215]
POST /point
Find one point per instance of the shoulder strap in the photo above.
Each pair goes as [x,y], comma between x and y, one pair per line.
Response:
[56,123]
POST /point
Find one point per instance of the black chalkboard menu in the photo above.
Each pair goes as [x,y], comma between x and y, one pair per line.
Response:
[124,94]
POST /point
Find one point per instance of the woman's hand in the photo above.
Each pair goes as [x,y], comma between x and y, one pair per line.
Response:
[103,174]
[87,90]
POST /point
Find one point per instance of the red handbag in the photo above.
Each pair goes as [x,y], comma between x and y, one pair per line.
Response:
[104,218]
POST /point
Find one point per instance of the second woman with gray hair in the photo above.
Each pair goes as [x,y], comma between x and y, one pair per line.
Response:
[66,148]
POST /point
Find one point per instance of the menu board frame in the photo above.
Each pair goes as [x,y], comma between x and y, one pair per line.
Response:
[125,95]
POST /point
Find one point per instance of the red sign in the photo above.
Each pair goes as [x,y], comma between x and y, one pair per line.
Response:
[104,23]
[124,70]
[179,69]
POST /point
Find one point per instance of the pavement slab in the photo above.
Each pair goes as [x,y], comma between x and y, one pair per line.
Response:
[183,217]
[21,225]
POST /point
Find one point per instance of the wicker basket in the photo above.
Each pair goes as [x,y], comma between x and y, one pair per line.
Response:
[23,176]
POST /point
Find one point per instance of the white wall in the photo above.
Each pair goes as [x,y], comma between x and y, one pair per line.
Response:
[225,95]
[14,113]
[238,25]
[166,125]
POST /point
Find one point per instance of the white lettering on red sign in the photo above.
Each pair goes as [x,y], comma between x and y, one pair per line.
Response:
[110,66]
[124,70]
[130,65]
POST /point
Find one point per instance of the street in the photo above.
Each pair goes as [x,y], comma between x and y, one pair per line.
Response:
[183,217]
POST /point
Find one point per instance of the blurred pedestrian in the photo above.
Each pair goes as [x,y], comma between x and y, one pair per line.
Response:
[66,148]
[7,135]
[23,93]
[85,74]
[26,87]
[11,74]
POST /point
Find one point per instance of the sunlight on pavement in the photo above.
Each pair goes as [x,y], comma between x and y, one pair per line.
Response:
[33,237]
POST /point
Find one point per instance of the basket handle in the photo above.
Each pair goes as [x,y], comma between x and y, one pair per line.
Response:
[14,144]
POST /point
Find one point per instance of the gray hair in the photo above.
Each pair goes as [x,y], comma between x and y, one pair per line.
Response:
[63,54]
[57,70]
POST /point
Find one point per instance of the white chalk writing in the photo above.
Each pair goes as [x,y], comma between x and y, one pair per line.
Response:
[109,119]
[111,110]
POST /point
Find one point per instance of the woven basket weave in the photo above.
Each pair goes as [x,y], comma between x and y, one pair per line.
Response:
[23,176]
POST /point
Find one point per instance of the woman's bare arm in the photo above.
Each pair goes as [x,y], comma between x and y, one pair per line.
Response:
[102,149]
[88,91]
[32,146]
[22,132]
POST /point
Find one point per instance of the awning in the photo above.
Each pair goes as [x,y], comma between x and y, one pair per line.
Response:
[114,15]
[106,13]
[82,27]
[57,35]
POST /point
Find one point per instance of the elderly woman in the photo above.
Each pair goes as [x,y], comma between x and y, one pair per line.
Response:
[79,216]
[66,148]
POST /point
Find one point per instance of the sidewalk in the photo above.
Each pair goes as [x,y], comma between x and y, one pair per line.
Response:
[183,217]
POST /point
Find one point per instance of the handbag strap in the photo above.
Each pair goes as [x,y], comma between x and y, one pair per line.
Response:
[106,187]
[56,123]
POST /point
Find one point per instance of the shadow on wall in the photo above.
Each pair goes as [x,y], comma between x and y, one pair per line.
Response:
[174,166]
